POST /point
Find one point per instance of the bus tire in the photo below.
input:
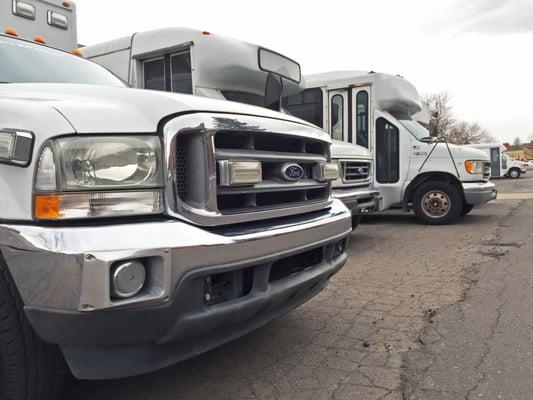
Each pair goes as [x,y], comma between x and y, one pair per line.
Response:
[437,203]
[29,368]
[466,209]
[514,173]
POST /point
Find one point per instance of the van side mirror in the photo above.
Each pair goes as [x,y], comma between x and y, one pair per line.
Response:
[273,91]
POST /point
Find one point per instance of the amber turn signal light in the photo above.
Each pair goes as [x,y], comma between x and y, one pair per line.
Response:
[47,206]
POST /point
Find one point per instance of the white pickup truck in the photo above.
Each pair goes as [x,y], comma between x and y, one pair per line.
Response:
[140,228]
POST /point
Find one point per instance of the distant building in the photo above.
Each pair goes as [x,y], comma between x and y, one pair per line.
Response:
[520,152]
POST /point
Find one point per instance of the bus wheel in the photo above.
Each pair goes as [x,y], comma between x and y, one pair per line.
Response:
[437,203]
[514,173]
[29,368]
[466,209]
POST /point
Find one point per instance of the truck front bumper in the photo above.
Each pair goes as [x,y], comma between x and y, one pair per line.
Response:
[264,270]
[358,199]
[477,193]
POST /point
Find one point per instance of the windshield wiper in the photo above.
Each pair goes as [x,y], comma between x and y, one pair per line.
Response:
[428,139]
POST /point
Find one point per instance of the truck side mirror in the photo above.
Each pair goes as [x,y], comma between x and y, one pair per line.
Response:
[273,91]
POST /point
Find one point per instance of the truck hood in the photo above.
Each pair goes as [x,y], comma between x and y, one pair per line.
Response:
[105,109]
[347,150]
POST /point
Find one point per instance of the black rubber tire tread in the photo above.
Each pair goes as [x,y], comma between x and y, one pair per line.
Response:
[29,368]
[466,209]
[519,173]
[453,193]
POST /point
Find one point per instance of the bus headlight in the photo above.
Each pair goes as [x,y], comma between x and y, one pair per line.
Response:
[474,166]
[79,177]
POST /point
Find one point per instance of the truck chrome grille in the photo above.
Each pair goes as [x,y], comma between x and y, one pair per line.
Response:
[274,151]
[199,147]
[355,171]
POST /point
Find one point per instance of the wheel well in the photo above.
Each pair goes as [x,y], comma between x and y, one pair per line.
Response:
[428,176]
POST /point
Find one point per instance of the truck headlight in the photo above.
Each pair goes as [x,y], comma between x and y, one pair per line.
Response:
[90,176]
[474,166]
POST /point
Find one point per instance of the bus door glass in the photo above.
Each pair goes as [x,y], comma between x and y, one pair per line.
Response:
[361,116]
[495,161]
[338,114]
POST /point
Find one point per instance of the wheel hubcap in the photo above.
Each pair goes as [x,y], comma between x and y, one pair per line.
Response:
[436,204]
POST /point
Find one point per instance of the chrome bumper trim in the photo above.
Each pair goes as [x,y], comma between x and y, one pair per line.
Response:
[67,268]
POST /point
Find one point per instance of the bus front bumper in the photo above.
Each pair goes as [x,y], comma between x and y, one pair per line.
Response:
[358,200]
[478,193]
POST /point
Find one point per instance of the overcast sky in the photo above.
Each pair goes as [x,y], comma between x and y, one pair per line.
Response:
[480,51]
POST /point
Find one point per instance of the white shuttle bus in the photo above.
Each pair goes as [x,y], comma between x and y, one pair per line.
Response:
[440,182]
[502,166]
[202,63]
[51,22]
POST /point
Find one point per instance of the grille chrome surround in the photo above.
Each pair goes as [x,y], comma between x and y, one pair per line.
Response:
[487,171]
[355,171]
[192,188]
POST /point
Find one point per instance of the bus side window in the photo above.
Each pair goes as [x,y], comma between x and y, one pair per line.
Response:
[180,69]
[337,117]
[387,152]
[361,108]
[307,105]
[154,74]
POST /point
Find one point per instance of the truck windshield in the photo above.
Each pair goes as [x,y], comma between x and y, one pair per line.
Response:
[26,62]
[417,130]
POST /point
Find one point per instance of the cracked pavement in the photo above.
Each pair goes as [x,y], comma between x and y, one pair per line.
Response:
[481,347]
[418,312]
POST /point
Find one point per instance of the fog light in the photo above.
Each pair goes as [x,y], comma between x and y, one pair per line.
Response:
[127,279]
[240,172]
[338,248]
[326,172]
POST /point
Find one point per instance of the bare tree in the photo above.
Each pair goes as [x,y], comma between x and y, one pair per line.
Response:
[464,132]
[440,108]
[447,127]
[517,141]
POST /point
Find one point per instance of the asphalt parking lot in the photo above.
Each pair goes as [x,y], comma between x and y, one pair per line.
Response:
[418,312]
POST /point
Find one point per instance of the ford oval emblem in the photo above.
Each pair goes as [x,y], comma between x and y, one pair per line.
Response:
[292,172]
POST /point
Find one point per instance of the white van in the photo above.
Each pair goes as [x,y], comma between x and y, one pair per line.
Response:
[501,165]
[439,181]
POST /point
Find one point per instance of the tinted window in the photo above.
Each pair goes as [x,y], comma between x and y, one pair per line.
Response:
[387,152]
[361,121]
[180,67]
[306,105]
[337,117]
[154,74]
[26,62]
